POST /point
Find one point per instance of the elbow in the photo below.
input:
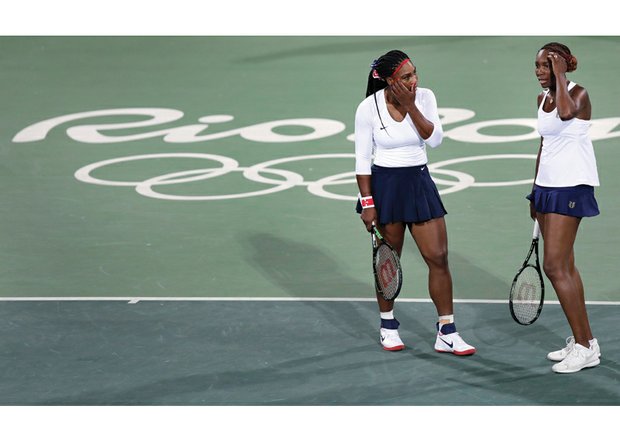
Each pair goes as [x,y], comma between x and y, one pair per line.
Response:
[566,114]
[363,167]
[435,139]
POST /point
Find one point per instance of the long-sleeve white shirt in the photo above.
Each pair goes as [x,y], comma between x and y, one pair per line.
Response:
[399,144]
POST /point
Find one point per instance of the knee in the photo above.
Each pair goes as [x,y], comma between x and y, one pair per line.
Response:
[438,258]
[555,270]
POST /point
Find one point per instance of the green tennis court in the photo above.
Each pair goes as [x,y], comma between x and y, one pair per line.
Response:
[178,224]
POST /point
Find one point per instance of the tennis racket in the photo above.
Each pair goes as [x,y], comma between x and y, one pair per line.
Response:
[386,267]
[527,293]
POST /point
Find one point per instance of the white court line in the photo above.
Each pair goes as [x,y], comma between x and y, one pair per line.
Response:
[135,300]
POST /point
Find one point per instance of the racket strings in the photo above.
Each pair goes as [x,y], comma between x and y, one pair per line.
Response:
[526,295]
[387,272]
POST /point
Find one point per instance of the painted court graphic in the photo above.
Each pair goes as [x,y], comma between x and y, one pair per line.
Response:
[179,227]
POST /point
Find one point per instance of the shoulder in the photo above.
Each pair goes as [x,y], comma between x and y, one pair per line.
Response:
[424,92]
[577,88]
[579,92]
[366,102]
[365,110]
[582,100]
[363,107]
[368,105]
[426,97]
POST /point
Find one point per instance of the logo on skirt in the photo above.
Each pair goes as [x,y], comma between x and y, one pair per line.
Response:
[571,204]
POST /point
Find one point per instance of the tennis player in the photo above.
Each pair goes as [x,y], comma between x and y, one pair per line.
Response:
[563,193]
[395,123]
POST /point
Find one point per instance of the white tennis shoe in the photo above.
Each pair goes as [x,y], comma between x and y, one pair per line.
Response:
[577,359]
[391,340]
[560,355]
[452,343]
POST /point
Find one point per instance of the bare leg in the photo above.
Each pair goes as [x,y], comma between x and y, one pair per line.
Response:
[559,233]
[432,240]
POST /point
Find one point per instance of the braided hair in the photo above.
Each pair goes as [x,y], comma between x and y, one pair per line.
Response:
[564,52]
[381,69]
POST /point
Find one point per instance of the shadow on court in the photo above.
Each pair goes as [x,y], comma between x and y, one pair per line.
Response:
[285,353]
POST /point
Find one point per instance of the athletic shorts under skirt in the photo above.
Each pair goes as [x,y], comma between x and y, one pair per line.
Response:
[406,194]
[575,201]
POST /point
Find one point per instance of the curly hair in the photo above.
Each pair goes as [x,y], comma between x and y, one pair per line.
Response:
[564,52]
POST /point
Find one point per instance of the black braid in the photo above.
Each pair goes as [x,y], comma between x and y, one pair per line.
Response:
[384,67]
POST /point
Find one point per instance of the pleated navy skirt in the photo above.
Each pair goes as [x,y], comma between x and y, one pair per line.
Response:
[406,194]
[575,201]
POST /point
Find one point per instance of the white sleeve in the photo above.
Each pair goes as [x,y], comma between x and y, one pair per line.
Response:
[363,139]
[429,110]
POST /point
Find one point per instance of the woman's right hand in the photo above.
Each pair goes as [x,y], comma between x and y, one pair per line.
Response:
[532,211]
[369,217]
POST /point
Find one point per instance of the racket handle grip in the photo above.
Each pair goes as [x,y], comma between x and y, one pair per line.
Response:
[536,232]
[375,232]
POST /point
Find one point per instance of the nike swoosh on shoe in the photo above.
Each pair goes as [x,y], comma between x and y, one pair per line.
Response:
[451,345]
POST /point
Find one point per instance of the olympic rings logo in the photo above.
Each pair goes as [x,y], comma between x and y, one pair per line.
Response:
[271,173]
[280,179]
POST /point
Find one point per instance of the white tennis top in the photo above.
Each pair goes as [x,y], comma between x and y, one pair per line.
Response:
[399,144]
[567,156]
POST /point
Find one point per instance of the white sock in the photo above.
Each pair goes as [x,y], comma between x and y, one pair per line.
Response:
[449,318]
[387,315]
[591,341]
[444,319]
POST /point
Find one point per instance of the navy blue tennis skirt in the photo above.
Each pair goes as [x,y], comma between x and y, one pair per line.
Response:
[575,201]
[406,194]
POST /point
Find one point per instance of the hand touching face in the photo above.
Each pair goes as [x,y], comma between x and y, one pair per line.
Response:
[403,86]
[403,93]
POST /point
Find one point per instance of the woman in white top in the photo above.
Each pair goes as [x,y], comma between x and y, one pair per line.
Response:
[563,194]
[394,124]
